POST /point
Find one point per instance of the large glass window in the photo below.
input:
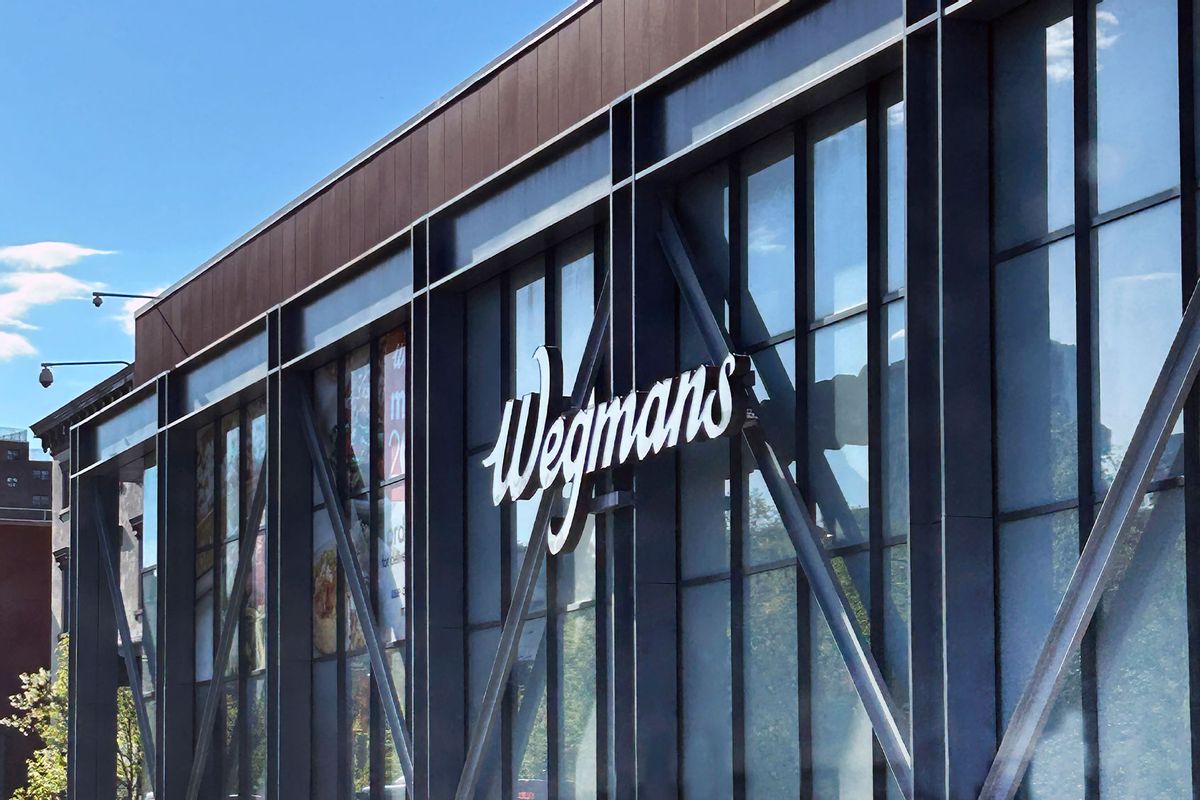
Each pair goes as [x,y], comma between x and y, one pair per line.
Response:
[230,453]
[361,402]
[1087,298]
[551,725]
[790,708]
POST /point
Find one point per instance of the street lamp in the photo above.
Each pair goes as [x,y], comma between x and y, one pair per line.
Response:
[98,297]
[47,377]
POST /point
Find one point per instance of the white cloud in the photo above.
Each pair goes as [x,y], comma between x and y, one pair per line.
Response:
[129,309]
[47,255]
[32,280]
[1060,48]
[21,292]
[13,345]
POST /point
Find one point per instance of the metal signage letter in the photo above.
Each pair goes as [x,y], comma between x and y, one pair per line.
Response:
[566,453]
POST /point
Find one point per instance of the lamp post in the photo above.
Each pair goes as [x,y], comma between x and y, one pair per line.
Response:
[47,377]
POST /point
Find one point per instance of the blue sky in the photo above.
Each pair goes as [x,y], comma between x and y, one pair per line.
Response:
[138,139]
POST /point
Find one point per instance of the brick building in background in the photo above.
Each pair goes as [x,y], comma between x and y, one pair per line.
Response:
[24,484]
[24,587]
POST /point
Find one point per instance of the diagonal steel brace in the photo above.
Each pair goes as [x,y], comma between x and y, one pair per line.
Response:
[531,566]
[108,559]
[810,551]
[357,582]
[229,626]
[1098,564]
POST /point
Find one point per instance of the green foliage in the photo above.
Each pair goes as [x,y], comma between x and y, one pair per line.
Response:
[41,711]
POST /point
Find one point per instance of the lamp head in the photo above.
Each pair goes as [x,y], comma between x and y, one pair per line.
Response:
[97,300]
[46,378]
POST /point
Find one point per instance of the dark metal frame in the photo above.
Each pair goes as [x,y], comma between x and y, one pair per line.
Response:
[229,629]
[810,550]
[526,583]
[128,655]
[359,590]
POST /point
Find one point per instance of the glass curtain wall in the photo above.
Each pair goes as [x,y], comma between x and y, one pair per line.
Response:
[361,405]
[799,242]
[548,741]
[230,453]
[1088,292]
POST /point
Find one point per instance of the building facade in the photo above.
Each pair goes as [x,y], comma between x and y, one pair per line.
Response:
[24,484]
[448,485]
[24,617]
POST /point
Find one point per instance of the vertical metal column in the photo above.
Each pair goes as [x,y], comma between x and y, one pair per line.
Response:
[445,490]
[92,683]
[654,541]
[965,409]
[921,95]
[176,603]
[418,606]
[289,590]
[622,681]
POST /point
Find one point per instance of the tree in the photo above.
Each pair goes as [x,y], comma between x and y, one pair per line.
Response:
[41,711]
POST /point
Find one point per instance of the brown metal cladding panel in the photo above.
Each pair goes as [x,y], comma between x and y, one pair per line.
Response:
[358,211]
[320,235]
[342,224]
[436,149]
[548,77]
[685,29]
[489,128]
[737,12]
[508,110]
[636,62]
[328,237]
[420,171]
[527,104]
[568,75]
[258,284]
[453,152]
[170,311]
[612,49]
[150,331]
[146,348]
[405,202]
[470,139]
[660,40]
[283,258]
[389,220]
[710,19]
[208,307]
[270,281]
[304,216]
[372,229]
[762,5]
[183,324]
[590,71]
[146,352]
[237,288]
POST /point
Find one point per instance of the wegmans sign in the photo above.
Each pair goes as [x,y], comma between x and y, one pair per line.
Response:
[542,446]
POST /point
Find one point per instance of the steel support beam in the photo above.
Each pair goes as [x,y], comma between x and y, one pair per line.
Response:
[810,551]
[229,627]
[112,579]
[531,566]
[92,671]
[1099,563]
[357,582]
